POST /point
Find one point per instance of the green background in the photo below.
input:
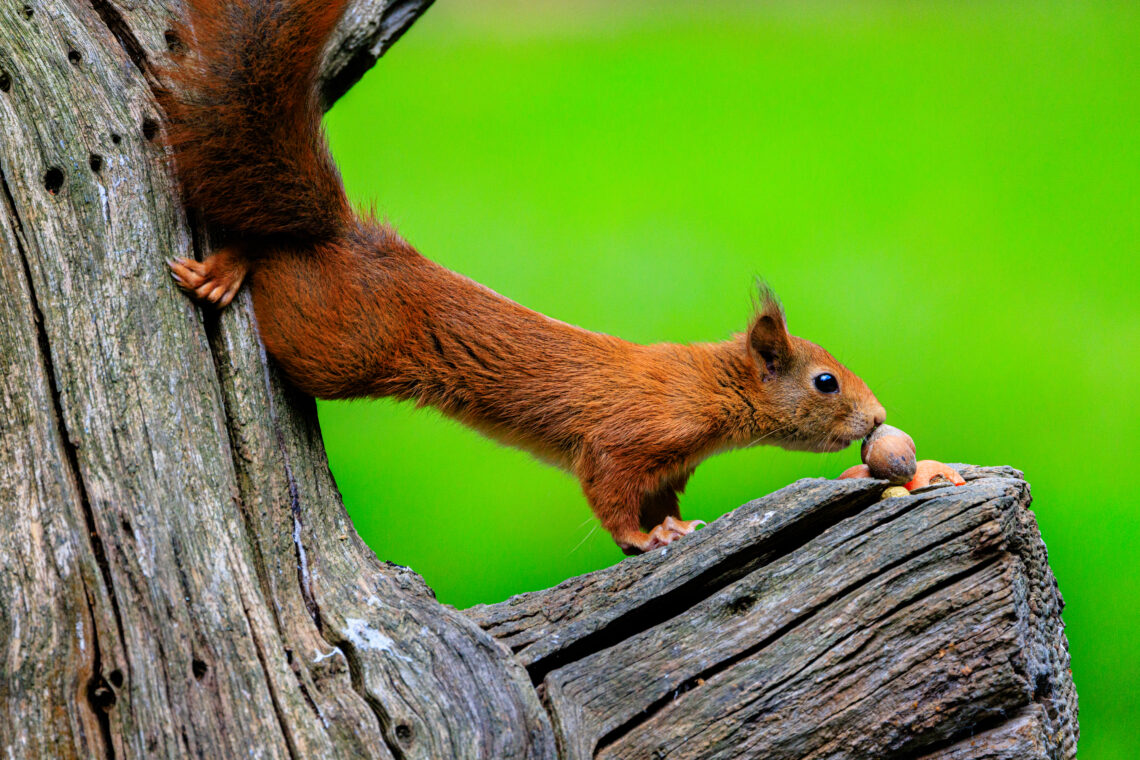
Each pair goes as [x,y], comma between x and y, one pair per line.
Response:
[947,196]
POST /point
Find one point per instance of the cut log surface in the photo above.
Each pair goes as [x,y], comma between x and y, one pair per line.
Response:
[178,576]
[817,622]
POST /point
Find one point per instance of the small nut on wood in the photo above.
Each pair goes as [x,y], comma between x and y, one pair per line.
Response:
[890,454]
[894,492]
[931,472]
[858,471]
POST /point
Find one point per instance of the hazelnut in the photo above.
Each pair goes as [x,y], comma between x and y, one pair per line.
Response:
[880,432]
[890,454]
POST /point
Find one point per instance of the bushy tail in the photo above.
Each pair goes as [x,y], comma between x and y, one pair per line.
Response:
[244,121]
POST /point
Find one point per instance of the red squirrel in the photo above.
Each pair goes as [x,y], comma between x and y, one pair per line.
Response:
[348,309]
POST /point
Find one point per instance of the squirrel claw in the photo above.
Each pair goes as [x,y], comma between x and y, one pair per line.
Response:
[682,527]
[660,536]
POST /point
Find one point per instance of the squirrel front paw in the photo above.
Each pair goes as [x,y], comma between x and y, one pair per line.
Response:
[215,280]
[638,542]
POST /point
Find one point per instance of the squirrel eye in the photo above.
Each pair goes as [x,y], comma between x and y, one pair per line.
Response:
[826,383]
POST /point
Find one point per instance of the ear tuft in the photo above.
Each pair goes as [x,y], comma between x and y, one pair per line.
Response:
[767,303]
[768,340]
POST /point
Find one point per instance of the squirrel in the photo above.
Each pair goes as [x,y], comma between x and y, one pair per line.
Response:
[348,309]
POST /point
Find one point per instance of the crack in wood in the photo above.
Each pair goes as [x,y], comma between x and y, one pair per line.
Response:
[712,580]
[275,699]
[997,720]
[121,30]
[303,576]
[959,578]
[923,595]
[97,688]
[213,336]
[356,676]
[304,688]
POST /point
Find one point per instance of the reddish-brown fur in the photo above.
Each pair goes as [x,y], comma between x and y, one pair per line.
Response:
[349,309]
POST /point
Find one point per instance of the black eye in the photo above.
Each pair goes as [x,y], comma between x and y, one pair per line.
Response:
[826,383]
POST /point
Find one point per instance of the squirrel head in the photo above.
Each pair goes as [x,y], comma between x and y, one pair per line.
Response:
[814,403]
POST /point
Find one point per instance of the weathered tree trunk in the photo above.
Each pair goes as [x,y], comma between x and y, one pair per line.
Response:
[178,576]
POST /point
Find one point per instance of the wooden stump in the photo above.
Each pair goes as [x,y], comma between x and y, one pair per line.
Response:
[178,576]
[817,622]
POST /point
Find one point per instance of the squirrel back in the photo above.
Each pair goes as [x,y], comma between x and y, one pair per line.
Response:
[348,309]
[244,119]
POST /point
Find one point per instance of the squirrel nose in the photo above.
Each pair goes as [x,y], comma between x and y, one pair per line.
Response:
[880,415]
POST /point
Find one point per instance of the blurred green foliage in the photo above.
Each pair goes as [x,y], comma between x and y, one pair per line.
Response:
[947,196]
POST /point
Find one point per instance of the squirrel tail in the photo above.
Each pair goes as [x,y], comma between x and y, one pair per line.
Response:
[244,119]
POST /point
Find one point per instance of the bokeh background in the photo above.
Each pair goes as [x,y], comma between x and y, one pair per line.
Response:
[946,195]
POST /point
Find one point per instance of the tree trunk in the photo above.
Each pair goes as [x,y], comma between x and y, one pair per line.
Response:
[178,576]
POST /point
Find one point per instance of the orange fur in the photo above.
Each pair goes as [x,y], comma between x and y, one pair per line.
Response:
[349,309]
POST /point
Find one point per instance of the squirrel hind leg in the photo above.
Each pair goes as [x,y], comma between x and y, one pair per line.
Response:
[216,280]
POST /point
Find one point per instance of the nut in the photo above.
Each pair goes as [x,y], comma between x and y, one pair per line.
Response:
[931,472]
[890,454]
[858,471]
[882,431]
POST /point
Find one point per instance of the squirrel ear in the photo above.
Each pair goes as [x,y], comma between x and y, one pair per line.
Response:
[768,340]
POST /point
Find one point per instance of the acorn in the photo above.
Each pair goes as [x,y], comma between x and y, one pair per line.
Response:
[894,492]
[889,453]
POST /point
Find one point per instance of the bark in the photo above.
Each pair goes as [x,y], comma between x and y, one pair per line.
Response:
[178,576]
